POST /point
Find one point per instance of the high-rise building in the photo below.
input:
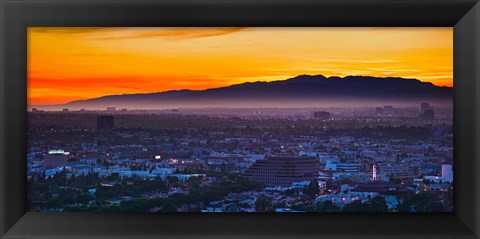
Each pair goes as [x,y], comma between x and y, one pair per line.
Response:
[424,107]
[324,115]
[65,110]
[374,172]
[379,110]
[56,158]
[388,109]
[283,171]
[104,122]
[427,115]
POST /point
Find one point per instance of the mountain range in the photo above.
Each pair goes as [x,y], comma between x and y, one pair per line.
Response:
[302,90]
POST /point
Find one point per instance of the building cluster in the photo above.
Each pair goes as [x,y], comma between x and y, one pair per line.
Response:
[348,163]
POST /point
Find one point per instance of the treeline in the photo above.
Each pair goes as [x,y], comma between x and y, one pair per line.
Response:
[59,190]
[195,200]
[410,202]
[133,189]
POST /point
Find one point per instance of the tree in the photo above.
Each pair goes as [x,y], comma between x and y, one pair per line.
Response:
[67,197]
[132,206]
[37,197]
[312,189]
[172,180]
[327,206]
[113,177]
[177,185]
[84,198]
[194,182]
[169,207]
[53,202]
[422,202]
[331,185]
[378,204]
[263,203]
[289,192]
[357,206]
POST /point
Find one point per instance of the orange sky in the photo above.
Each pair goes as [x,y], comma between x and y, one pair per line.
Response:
[66,64]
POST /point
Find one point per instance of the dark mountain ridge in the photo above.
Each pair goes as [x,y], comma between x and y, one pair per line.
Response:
[299,90]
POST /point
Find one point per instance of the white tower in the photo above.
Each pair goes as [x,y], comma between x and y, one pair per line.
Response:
[374,173]
[447,173]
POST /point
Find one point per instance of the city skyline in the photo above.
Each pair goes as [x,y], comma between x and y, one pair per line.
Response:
[240,120]
[67,64]
[371,160]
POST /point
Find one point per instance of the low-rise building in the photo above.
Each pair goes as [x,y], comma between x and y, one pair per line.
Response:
[283,171]
[56,158]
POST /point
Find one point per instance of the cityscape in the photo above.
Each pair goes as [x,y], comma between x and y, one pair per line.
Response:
[368,160]
[240,120]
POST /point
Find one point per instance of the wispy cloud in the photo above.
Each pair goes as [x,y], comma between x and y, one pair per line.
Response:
[375,61]
[351,60]
[172,34]
[69,30]
[119,33]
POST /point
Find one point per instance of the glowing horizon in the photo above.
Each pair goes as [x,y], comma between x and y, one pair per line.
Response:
[67,64]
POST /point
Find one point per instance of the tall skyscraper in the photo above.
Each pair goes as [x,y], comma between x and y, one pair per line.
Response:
[104,122]
[388,109]
[424,107]
[427,115]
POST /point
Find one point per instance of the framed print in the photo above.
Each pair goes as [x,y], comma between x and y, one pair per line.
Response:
[265,119]
[242,121]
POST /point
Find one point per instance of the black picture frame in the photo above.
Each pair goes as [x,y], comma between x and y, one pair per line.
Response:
[17,15]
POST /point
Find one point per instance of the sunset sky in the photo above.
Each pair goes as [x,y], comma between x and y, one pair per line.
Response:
[66,64]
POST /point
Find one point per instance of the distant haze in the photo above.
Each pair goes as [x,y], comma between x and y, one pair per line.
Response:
[302,91]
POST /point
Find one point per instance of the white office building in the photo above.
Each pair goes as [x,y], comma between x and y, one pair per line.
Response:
[447,173]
